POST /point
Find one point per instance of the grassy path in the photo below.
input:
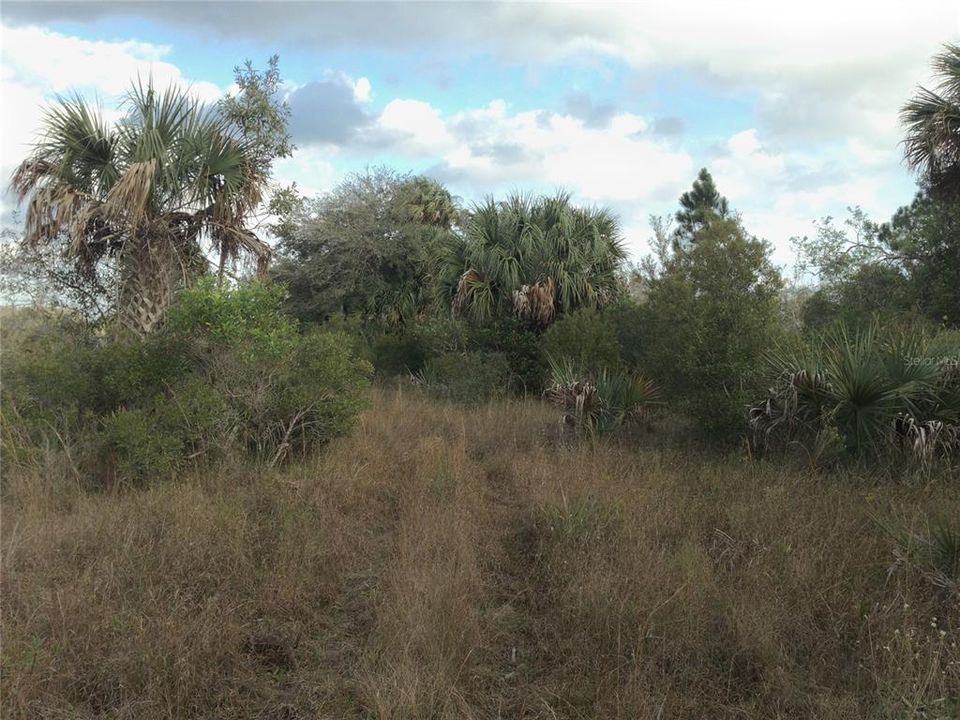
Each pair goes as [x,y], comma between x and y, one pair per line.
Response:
[452,562]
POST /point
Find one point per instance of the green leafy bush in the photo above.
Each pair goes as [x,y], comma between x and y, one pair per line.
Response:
[585,338]
[627,319]
[466,377]
[521,348]
[228,371]
[410,350]
[142,442]
[399,353]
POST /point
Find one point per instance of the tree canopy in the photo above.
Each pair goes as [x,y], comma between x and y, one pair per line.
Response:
[534,257]
[365,247]
[699,207]
[932,122]
[147,191]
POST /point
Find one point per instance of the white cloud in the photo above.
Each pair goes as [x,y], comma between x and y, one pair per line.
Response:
[490,147]
[362,90]
[59,63]
[748,168]
[311,168]
[418,127]
[37,64]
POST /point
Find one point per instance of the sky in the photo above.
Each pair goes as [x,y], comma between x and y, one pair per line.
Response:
[793,107]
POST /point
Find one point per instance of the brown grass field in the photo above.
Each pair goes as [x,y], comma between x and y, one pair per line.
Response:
[448,561]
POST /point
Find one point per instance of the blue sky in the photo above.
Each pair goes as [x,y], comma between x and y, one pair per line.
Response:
[794,111]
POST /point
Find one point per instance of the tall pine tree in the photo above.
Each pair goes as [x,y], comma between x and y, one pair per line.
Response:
[698,207]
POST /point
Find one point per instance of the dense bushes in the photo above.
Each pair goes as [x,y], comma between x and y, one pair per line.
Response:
[410,350]
[709,315]
[872,390]
[585,338]
[227,371]
[466,376]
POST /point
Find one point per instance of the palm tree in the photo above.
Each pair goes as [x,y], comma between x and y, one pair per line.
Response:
[427,202]
[932,121]
[535,258]
[147,192]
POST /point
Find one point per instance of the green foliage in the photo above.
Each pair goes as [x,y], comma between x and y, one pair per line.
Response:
[233,316]
[228,371]
[932,144]
[925,236]
[585,338]
[627,319]
[408,350]
[281,386]
[860,276]
[532,258]
[521,347]
[466,376]
[140,443]
[599,401]
[877,390]
[368,247]
[395,354]
[257,111]
[709,315]
[899,270]
[699,207]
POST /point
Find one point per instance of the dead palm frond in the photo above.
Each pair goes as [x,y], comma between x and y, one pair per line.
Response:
[536,303]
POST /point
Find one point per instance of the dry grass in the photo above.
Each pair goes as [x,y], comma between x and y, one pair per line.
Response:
[454,562]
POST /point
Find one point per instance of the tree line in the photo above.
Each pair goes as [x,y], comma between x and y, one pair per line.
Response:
[122,219]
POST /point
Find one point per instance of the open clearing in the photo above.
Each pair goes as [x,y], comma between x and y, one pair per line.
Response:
[456,562]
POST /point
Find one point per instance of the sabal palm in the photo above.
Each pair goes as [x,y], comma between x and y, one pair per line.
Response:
[148,192]
[534,257]
[932,121]
[429,203]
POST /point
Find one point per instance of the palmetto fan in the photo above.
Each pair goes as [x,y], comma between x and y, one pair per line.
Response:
[932,122]
[874,388]
[148,191]
[534,258]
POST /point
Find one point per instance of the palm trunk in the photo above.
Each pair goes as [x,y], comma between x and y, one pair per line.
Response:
[153,271]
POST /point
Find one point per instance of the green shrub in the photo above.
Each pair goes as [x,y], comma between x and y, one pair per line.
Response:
[410,350]
[586,339]
[599,401]
[445,335]
[141,443]
[400,353]
[467,377]
[878,390]
[227,372]
[283,390]
[45,359]
[521,348]
[627,319]
[51,383]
